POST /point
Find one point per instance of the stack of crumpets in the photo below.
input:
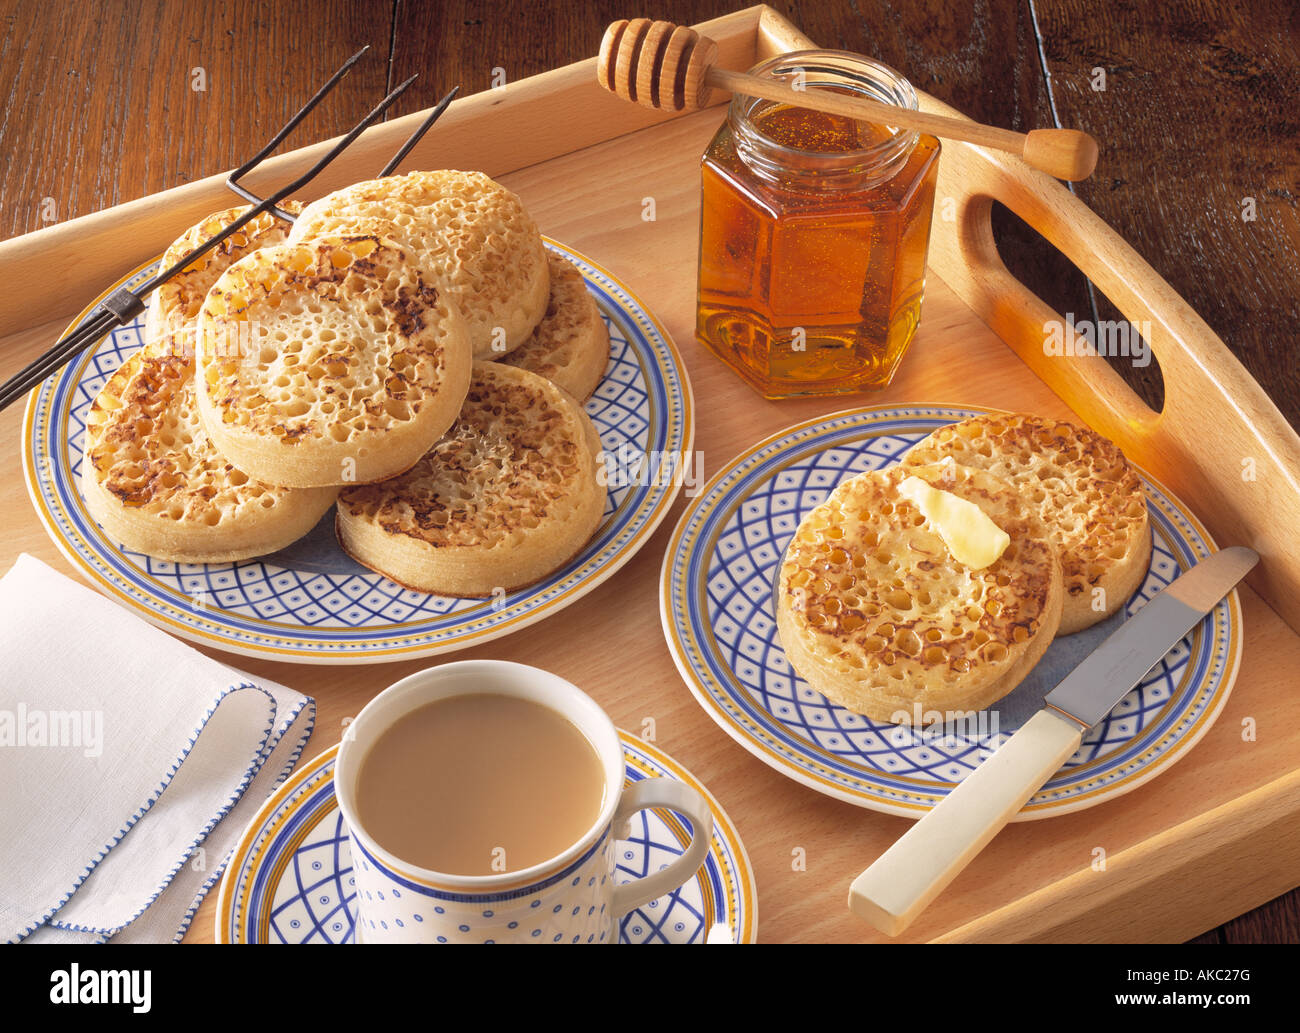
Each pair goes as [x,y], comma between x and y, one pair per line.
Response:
[152,475]
[936,584]
[286,366]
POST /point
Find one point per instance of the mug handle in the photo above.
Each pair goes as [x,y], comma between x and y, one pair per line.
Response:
[676,796]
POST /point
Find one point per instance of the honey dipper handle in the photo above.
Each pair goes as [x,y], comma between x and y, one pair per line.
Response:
[1064,153]
[912,872]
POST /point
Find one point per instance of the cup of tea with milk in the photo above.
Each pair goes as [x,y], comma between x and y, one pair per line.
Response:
[484,800]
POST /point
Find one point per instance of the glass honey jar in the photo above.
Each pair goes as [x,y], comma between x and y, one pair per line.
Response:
[813,233]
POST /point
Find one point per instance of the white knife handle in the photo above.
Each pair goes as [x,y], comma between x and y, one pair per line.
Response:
[912,872]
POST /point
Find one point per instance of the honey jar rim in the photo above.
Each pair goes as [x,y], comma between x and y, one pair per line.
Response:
[890,86]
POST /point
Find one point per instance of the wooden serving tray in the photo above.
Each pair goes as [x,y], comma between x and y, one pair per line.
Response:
[1213,838]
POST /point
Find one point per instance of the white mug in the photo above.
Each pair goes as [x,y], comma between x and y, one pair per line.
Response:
[570,898]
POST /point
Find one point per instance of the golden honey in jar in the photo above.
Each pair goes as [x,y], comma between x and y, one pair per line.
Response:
[813,233]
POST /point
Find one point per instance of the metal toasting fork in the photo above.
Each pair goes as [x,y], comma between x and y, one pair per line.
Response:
[124,304]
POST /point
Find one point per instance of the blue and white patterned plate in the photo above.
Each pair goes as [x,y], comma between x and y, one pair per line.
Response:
[716,600]
[311,602]
[289,879]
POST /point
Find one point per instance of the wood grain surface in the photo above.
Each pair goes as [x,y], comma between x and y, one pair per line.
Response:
[1197,103]
[101,106]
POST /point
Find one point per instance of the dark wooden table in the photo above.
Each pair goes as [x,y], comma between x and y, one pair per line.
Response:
[1193,102]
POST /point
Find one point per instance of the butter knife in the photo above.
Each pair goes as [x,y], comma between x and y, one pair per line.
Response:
[912,872]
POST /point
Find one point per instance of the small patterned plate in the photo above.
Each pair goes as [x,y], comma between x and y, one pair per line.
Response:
[289,879]
[311,603]
[716,600]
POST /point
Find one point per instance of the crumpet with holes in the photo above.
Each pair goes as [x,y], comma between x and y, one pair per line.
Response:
[876,614]
[151,475]
[509,495]
[329,362]
[152,478]
[172,309]
[465,231]
[570,346]
[1087,493]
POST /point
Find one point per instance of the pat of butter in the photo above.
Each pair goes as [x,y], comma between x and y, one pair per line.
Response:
[971,536]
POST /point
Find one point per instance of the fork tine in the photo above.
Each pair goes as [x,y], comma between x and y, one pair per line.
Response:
[416,136]
[269,204]
[232,180]
[342,145]
[292,124]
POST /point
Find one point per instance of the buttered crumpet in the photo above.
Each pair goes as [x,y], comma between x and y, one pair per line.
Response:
[465,231]
[570,346]
[1088,495]
[329,362]
[170,315]
[876,613]
[510,494]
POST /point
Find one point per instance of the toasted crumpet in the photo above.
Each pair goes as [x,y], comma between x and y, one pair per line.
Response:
[468,233]
[151,475]
[154,481]
[330,362]
[570,346]
[875,613]
[1080,483]
[172,308]
[510,494]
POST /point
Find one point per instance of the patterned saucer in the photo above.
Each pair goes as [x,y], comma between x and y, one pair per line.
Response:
[310,602]
[289,879]
[716,600]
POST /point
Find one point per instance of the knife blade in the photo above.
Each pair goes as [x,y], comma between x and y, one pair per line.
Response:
[912,872]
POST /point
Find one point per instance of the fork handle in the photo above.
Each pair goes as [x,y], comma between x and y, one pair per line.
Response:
[912,872]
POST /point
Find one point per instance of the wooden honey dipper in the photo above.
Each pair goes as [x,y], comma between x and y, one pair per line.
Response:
[673,68]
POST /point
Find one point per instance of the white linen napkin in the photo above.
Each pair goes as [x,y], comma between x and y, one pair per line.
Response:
[129,764]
